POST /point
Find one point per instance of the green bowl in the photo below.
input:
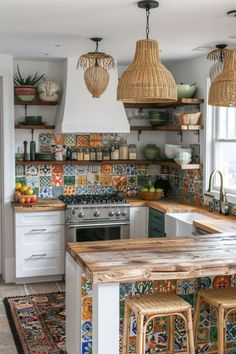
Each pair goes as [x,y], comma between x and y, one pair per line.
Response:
[186,91]
[33,119]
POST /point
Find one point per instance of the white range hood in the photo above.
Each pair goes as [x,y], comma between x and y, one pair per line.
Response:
[79,112]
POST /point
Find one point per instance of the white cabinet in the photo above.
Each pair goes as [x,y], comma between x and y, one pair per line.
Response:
[138,222]
[39,243]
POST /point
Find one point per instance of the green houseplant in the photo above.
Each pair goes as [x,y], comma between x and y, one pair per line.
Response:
[25,88]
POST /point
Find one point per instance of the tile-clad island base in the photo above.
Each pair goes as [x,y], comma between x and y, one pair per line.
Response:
[148,262]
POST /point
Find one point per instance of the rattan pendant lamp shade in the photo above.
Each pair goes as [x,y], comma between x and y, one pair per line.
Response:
[146,80]
[223,89]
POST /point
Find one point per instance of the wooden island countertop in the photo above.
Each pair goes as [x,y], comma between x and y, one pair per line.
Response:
[156,259]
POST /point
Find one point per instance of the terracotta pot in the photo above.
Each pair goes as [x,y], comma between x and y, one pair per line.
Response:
[25,93]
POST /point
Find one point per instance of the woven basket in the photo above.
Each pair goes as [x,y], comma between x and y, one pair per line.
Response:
[151,196]
[189,118]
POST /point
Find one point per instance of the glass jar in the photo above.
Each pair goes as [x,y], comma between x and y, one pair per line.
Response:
[80,154]
[123,149]
[132,152]
[99,154]
[115,152]
[106,153]
[74,154]
[86,154]
[93,154]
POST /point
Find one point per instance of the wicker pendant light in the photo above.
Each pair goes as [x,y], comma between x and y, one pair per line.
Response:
[146,80]
[96,66]
[217,54]
[223,89]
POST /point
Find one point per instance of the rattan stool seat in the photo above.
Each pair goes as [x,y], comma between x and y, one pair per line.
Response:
[225,297]
[152,304]
[146,307]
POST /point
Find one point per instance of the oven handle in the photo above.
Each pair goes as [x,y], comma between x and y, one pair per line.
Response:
[94,225]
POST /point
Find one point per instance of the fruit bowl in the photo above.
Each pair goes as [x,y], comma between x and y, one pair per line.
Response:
[151,196]
[26,199]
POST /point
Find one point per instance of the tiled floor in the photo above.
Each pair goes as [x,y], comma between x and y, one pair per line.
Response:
[6,340]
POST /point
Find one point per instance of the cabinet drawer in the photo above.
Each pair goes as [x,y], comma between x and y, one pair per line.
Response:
[39,237]
[40,218]
[156,230]
[30,264]
[156,216]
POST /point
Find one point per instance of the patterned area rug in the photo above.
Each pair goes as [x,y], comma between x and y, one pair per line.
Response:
[37,322]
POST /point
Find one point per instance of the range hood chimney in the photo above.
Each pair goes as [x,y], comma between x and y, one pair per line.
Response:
[79,112]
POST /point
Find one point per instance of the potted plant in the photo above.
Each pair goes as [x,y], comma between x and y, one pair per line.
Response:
[25,89]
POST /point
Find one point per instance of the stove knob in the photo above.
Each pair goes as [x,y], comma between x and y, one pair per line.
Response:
[73,211]
[96,213]
[111,213]
[118,213]
[81,214]
[124,213]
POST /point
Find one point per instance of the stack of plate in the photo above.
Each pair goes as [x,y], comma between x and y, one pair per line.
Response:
[45,156]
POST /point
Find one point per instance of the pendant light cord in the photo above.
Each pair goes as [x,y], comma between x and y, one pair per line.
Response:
[147,22]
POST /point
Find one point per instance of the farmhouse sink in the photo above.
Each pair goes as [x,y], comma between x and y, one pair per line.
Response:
[180,224]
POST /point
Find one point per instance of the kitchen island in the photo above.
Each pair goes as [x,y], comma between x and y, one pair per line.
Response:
[110,263]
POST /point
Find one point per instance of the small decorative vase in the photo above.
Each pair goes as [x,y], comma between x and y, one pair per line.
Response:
[151,152]
[25,93]
[48,90]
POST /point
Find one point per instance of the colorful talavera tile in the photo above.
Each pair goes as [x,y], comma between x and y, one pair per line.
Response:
[86,286]
[119,183]
[132,189]
[57,191]
[106,169]
[82,140]
[82,190]
[58,139]
[45,170]
[45,139]
[221,281]
[165,286]
[86,331]
[203,283]
[20,171]
[57,181]
[69,190]
[81,170]
[143,287]
[131,170]
[95,140]
[156,342]
[69,180]
[119,169]
[93,179]
[69,170]
[106,180]
[70,139]
[106,139]
[86,309]
[46,148]
[45,181]
[87,347]
[186,286]
[33,181]
[57,170]
[93,168]
[21,180]
[45,192]
[31,170]
[142,170]
[81,180]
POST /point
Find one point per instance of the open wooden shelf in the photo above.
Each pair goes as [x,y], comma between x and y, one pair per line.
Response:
[111,162]
[180,102]
[170,128]
[35,102]
[34,126]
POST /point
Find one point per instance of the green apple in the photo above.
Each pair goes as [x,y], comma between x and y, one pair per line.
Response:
[159,190]
[152,190]
[143,189]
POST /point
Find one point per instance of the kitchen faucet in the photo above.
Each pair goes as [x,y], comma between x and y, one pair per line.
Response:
[213,173]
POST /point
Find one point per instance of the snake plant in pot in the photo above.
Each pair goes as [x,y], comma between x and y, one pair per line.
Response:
[25,88]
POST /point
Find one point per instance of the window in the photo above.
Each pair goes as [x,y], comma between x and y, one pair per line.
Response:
[221,147]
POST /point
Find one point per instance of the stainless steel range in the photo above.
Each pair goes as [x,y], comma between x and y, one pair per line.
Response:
[96,217]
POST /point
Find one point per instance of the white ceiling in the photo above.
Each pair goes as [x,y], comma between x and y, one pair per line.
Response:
[30,27]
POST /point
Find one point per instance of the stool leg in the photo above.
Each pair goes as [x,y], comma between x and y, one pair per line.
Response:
[196,318]
[190,331]
[171,334]
[139,338]
[221,331]
[126,331]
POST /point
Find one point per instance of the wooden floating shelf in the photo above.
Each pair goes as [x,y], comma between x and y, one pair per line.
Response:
[34,126]
[111,162]
[173,128]
[180,102]
[35,102]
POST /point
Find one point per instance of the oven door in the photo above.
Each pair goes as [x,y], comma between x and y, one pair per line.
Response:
[97,231]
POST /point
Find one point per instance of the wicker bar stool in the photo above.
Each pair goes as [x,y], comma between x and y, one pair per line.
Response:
[224,302]
[148,306]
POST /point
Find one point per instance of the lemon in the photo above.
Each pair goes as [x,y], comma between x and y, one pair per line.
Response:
[23,189]
[18,186]
[29,191]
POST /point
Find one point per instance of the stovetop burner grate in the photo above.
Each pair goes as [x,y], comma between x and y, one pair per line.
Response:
[91,199]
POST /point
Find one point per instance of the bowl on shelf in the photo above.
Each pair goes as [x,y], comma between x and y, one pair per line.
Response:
[186,90]
[183,157]
[157,117]
[189,118]
[151,152]
[33,119]
[171,150]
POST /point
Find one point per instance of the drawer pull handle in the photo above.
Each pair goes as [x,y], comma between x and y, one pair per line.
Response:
[37,230]
[35,256]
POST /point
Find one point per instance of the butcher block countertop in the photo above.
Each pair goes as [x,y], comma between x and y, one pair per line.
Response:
[156,259]
[43,204]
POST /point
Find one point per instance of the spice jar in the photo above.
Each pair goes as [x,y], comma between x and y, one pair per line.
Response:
[99,154]
[115,153]
[132,152]
[86,154]
[106,153]
[123,149]
[93,154]
[80,154]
